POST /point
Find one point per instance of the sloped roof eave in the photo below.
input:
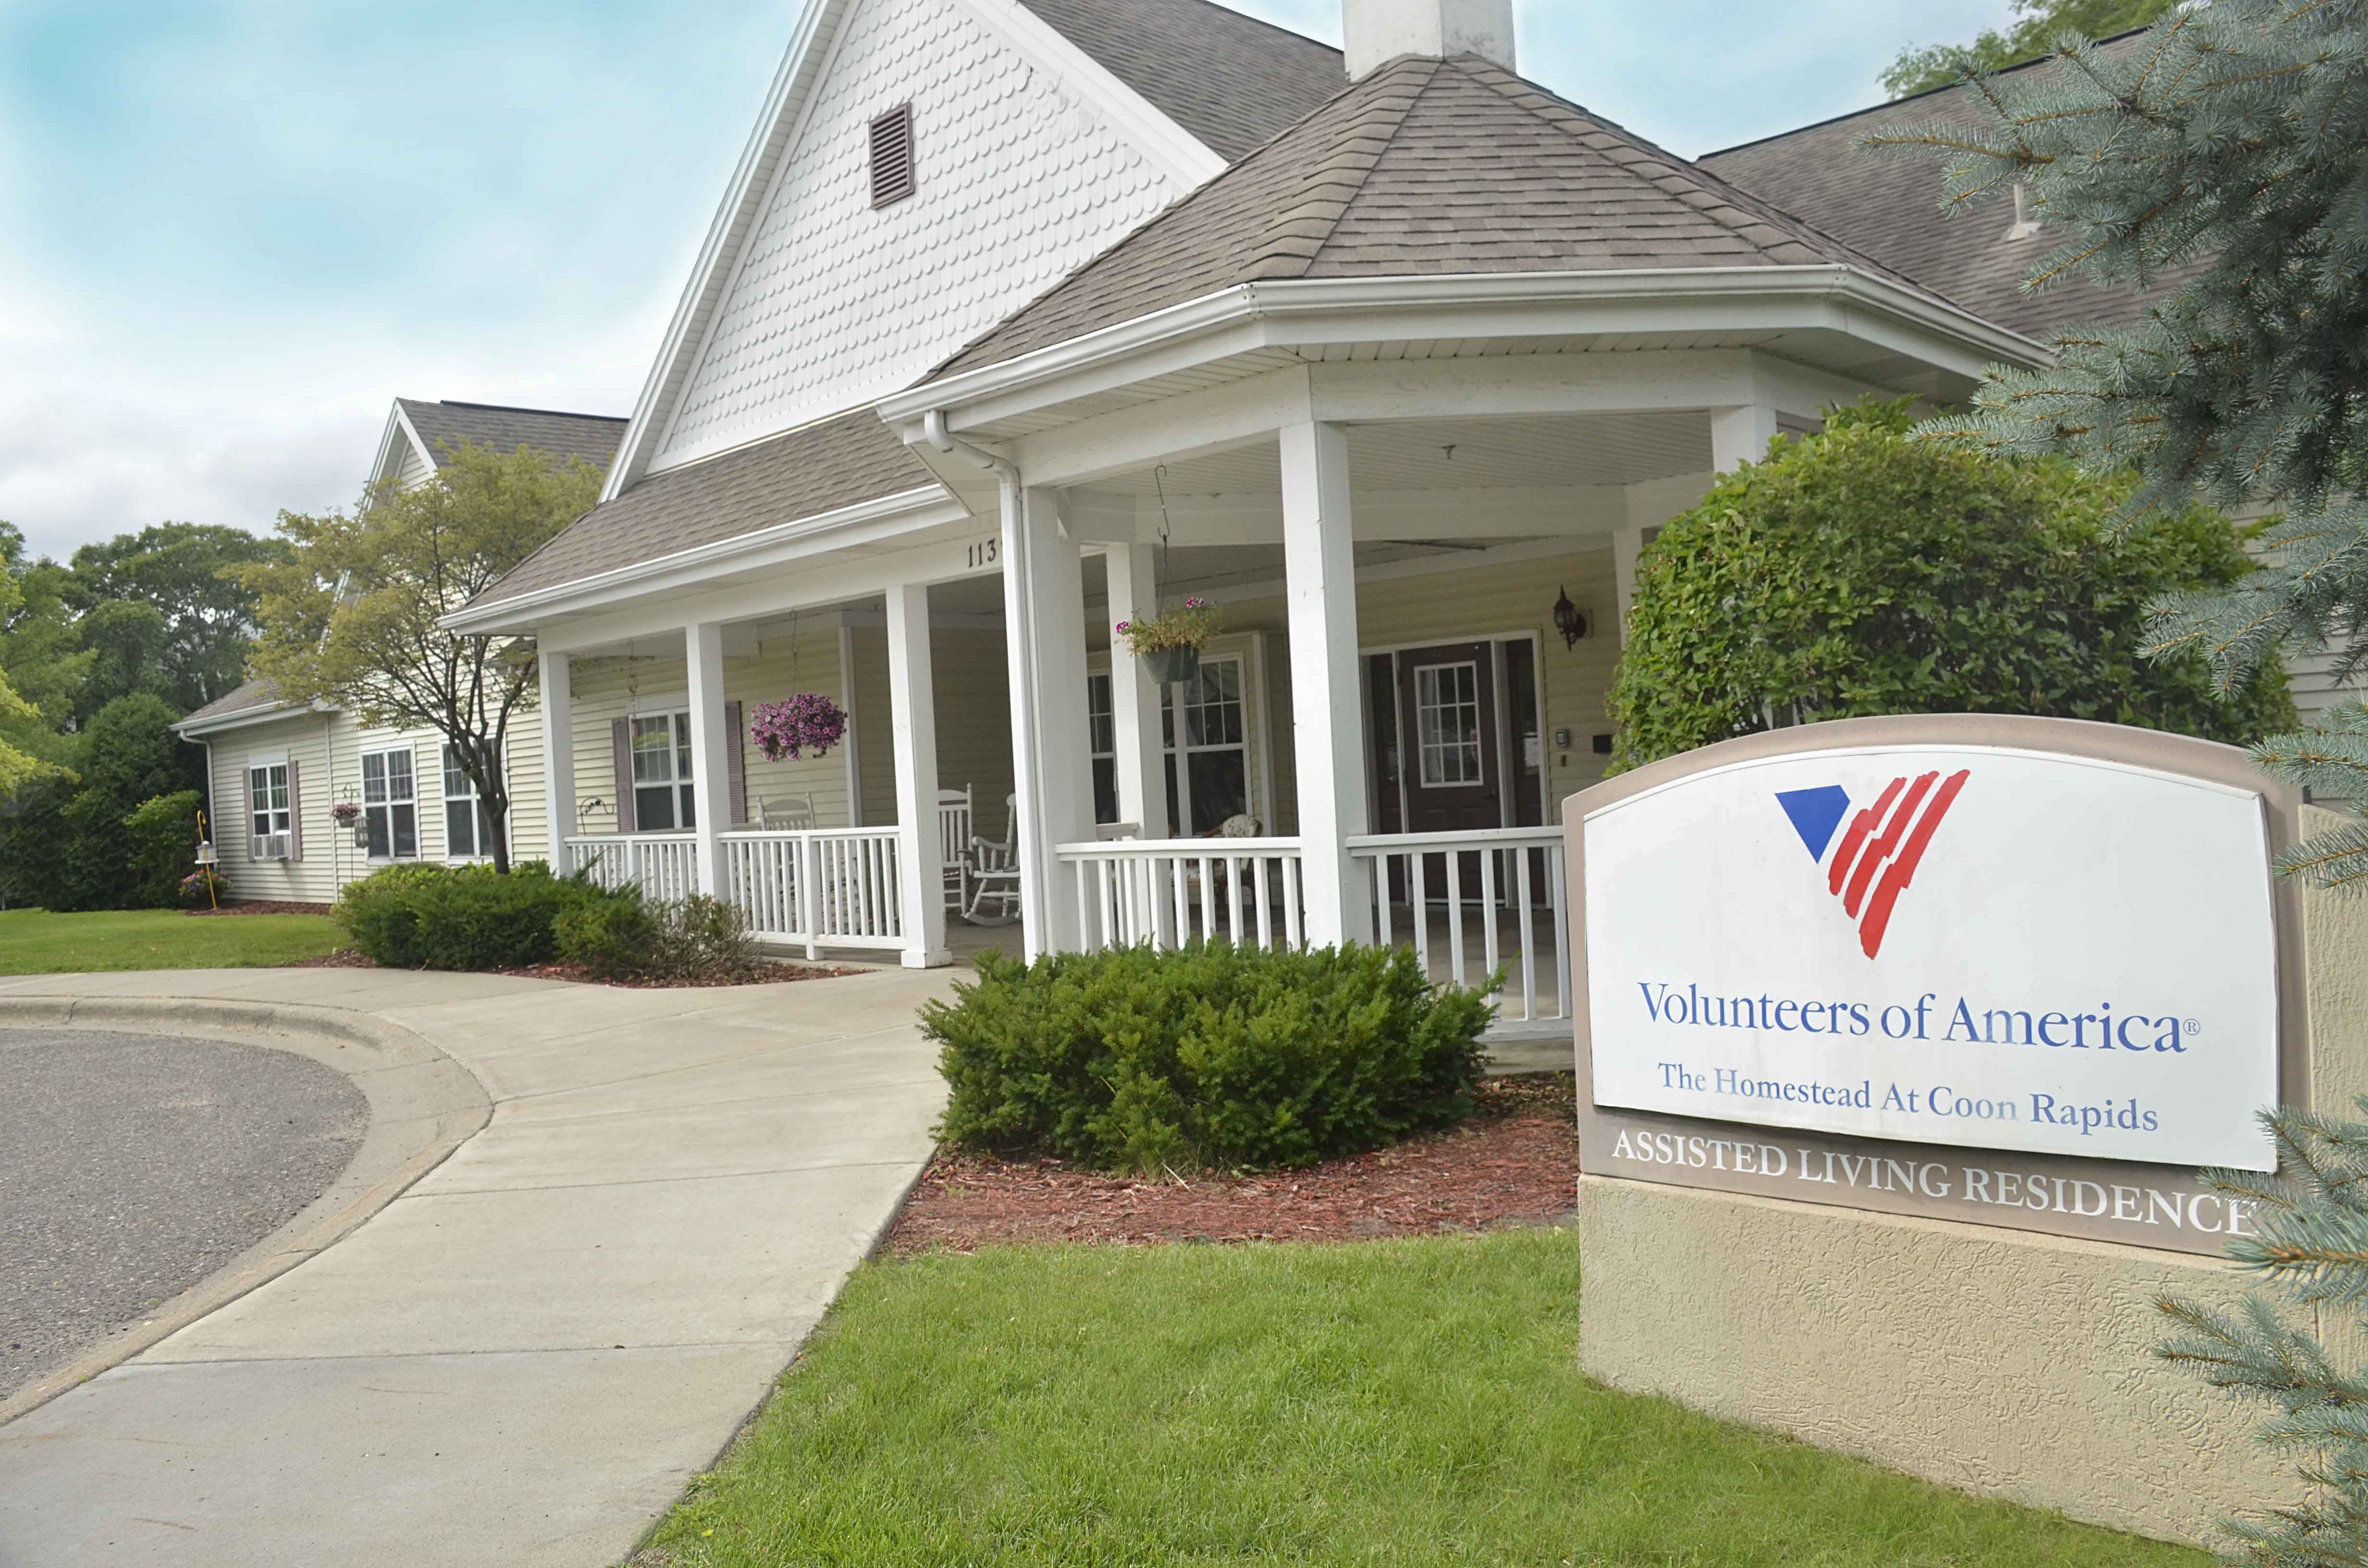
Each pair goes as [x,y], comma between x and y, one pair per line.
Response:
[1275,303]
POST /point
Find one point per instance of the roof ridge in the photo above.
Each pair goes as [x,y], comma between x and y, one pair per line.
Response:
[1359,158]
[1549,106]
[1909,98]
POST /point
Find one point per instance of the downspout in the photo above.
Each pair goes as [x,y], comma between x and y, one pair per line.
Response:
[1021,633]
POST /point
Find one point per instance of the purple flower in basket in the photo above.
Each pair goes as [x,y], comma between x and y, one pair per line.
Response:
[808,722]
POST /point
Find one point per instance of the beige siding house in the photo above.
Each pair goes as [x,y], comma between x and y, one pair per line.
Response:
[274,770]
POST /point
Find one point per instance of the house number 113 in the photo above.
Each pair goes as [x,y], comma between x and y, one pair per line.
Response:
[985,553]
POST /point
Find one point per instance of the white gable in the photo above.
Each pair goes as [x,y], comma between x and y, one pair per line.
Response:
[1030,160]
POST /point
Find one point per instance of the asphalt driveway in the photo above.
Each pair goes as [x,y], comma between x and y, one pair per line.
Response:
[523,1357]
[131,1166]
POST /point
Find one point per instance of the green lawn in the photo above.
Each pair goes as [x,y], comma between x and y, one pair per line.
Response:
[1390,1402]
[34,941]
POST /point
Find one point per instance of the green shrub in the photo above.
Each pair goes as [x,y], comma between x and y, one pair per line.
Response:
[624,936]
[1210,1057]
[460,918]
[1863,571]
[161,840]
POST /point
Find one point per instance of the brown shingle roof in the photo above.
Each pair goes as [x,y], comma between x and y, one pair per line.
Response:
[818,468]
[1232,81]
[444,426]
[1426,167]
[1890,208]
[256,693]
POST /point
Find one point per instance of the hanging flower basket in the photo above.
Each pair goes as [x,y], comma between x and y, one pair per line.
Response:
[1169,643]
[1168,665]
[344,814]
[807,725]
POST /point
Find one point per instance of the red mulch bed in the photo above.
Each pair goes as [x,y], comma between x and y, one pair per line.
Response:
[1515,1163]
[264,906]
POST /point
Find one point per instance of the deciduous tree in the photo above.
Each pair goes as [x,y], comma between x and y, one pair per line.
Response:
[2037,25]
[350,615]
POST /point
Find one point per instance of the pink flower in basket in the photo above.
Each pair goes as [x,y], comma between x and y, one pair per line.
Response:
[806,723]
[344,814]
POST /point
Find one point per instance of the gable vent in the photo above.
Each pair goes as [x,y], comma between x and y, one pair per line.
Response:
[891,156]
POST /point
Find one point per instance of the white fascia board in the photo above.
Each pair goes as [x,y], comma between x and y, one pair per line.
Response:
[1295,311]
[865,522]
[193,728]
[1176,152]
[743,196]
[383,465]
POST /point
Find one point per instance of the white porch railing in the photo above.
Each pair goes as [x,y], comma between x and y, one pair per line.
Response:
[665,865]
[819,887]
[1167,892]
[1495,896]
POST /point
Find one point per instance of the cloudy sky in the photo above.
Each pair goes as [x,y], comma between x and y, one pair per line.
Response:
[231,231]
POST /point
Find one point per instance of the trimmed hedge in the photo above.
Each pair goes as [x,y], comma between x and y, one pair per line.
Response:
[1209,1057]
[460,918]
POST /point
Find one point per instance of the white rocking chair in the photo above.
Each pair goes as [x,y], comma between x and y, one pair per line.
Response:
[953,845]
[791,811]
[994,868]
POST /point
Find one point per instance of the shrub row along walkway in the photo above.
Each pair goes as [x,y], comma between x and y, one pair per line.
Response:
[525,1356]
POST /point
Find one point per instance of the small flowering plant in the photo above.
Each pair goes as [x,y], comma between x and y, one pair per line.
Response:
[1189,625]
[344,814]
[200,888]
[807,724]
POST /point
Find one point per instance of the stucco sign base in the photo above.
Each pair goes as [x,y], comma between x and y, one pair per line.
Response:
[1999,1361]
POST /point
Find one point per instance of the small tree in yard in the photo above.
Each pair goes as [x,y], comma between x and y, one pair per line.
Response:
[350,617]
[1859,572]
[2229,153]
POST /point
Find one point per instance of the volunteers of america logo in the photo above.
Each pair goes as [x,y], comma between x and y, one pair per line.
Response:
[1879,853]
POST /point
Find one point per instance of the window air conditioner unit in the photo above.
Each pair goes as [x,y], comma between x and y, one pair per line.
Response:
[272,846]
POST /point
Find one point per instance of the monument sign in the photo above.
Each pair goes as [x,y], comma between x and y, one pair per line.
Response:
[2031,972]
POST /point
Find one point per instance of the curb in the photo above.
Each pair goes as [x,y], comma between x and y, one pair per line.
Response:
[423,1105]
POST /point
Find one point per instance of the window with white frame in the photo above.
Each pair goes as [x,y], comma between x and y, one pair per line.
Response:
[389,805]
[468,830]
[1101,730]
[1447,724]
[662,786]
[1212,782]
[266,798]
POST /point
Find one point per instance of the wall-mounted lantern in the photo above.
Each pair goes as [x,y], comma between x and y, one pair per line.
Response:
[1568,619]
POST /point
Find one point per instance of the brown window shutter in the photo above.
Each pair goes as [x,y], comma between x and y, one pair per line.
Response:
[620,742]
[892,156]
[736,764]
[295,814]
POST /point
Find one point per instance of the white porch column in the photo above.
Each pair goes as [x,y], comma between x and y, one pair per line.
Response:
[1739,435]
[1328,715]
[1134,696]
[710,793]
[1044,620]
[558,756]
[912,715]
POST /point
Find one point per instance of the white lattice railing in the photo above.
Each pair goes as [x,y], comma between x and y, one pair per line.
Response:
[1170,890]
[1469,903]
[664,865]
[819,887]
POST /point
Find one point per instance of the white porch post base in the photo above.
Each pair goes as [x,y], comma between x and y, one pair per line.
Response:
[1044,602]
[1134,696]
[1320,586]
[558,693]
[912,702]
[708,793]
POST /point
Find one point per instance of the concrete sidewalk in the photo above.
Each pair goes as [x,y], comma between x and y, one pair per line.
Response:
[523,1357]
